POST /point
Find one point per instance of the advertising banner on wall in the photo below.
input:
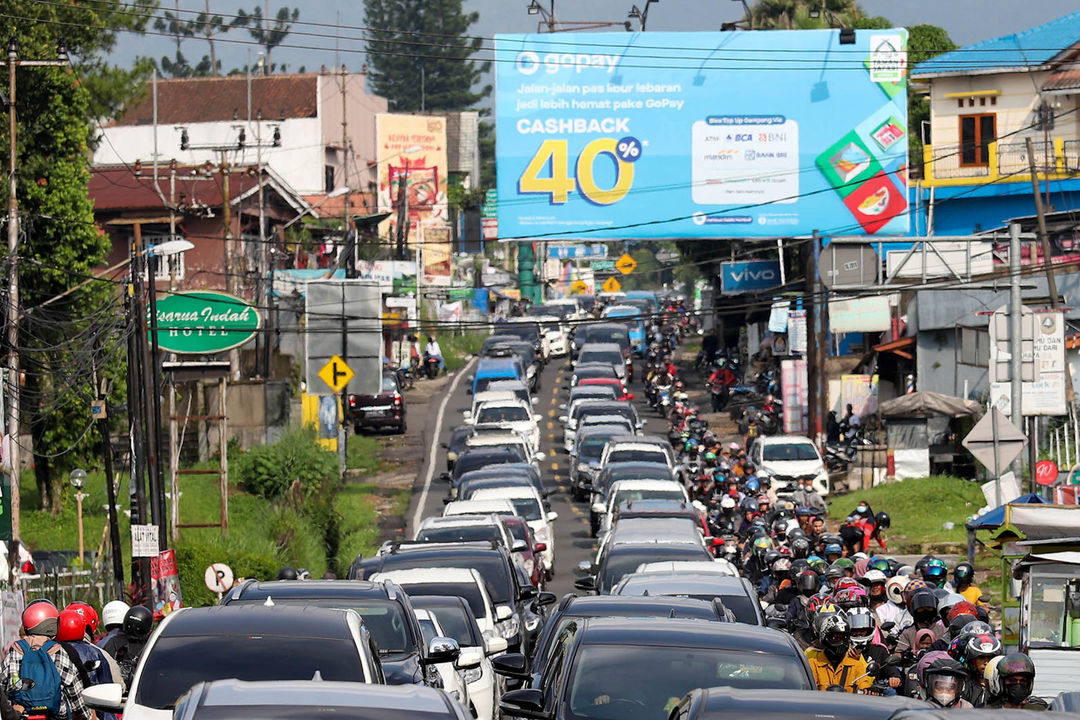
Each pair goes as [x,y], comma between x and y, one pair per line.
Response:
[727,134]
[411,150]
[1044,393]
[748,276]
[793,386]
[436,254]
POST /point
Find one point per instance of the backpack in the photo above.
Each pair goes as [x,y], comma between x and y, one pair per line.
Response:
[44,696]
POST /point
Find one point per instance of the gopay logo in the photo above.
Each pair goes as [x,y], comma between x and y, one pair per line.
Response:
[528,62]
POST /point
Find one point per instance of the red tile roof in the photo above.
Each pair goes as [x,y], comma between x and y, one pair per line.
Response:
[1062,80]
[191,100]
[118,188]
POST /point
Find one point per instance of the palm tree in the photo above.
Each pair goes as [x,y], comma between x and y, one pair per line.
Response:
[795,14]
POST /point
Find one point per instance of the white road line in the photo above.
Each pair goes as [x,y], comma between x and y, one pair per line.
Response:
[433,451]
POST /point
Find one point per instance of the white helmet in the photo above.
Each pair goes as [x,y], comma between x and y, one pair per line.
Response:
[112,615]
[894,588]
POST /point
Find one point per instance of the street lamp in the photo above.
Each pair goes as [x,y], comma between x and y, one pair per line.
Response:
[77,477]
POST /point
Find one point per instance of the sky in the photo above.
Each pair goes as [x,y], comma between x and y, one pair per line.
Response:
[967,21]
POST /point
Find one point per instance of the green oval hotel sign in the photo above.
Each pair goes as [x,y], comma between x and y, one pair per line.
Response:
[203,323]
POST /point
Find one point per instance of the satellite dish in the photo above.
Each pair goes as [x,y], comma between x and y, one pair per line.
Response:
[848,266]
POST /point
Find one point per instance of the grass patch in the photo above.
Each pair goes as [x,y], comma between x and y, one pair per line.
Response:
[457,349]
[919,508]
[358,505]
[362,453]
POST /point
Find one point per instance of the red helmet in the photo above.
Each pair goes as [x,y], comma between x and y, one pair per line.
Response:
[962,608]
[72,626]
[88,612]
[37,613]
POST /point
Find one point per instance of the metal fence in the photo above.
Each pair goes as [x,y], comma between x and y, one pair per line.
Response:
[64,586]
[946,164]
[1013,157]
[1072,156]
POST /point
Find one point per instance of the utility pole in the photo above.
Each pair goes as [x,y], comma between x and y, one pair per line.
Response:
[816,345]
[13,372]
[348,249]
[1016,384]
[140,567]
[1048,266]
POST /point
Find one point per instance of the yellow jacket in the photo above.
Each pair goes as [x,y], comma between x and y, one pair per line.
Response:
[972,593]
[849,674]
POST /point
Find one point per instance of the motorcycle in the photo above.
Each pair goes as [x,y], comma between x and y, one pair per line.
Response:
[431,366]
[663,398]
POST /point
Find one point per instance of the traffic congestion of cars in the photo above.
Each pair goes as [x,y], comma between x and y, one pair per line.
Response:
[713,587]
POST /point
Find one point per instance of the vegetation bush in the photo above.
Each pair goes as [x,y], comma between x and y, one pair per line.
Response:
[270,471]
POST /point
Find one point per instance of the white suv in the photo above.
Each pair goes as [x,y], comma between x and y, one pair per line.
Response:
[531,507]
[787,458]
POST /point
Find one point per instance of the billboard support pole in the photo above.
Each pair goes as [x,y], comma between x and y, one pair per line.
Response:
[1016,341]
[813,371]
[780,256]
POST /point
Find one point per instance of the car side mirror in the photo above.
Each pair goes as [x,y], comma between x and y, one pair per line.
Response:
[527,592]
[541,456]
[584,568]
[598,508]
[495,645]
[470,657]
[534,401]
[537,417]
[526,703]
[544,598]
[587,584]
[539,547]
[552,516]
[108,697]
[444,477]
[776,623]
[442,650]
[563,419]
[444,446]
[503,612]
[562,406]
[639,425]
[519,546]
[512,665]
[629,396]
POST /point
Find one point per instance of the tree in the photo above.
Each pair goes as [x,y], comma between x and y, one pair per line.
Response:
[420,55]
[62,344]
[266,34]
[795,14]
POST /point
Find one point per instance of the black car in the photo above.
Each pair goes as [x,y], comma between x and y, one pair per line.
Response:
[384,410]
[605,332]
[613,472]
[726,703]
[737,593]
[384,606]
[589,443]
[640,668]
[615,561]
[482,457]
[573,607]
[495,470]
[505,582]
[529,331]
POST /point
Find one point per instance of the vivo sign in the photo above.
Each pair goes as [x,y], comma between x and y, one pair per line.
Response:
[749,276]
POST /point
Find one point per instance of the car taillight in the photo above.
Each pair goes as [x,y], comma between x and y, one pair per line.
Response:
[397,398]
[353,401]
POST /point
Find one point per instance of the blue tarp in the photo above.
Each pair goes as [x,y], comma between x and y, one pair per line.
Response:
[994,518]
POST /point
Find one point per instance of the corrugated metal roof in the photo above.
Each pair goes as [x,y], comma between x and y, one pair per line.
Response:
[215,99]
[1027,49]
[945,309]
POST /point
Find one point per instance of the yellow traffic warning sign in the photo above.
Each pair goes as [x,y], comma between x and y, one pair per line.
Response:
[336,374]
[580,287]
[625,264]
[612,285]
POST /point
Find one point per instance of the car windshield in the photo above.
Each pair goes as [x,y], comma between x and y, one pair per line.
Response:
[385,619]
[642,682]
[493,568]
[523,331]
[606,335]
[789,451]
[622,496]
[469,591]
[527,508]
[592,448]
[177,663]
[455,623]
[550,310]
[462,533]
[475,461]
[622,561]
[506,413]
[651,456]
[611,357]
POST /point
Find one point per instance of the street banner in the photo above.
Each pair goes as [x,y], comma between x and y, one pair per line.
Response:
[701,134]
[165,580]
[794,388]
[436,254]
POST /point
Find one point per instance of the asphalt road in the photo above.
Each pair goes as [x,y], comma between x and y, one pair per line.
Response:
[572,541]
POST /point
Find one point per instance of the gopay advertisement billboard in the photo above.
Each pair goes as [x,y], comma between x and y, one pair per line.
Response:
[731,134]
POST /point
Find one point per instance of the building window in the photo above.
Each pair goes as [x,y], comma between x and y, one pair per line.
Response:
[976,133]
[328,177]
[974,347]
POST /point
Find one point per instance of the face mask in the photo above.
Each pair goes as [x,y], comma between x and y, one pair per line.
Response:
[943,690]
[1018,693]
[945,697]
[861,508]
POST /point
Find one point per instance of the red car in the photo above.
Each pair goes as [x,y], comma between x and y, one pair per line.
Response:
[620,389]
[530,556]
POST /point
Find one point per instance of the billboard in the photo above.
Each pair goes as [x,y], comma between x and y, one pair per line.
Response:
[701,135]
[748,276]
[411,149]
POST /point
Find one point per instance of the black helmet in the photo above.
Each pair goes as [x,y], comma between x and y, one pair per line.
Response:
[963,572]
[808,583]
[957,624]
[287,573]
[800,547]
[138,622]
[883,520]
[923,600]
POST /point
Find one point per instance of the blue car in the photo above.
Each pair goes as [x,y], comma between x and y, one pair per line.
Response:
[489,370]
[634,323]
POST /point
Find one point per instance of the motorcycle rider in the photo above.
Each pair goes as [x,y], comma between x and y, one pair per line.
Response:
[112,617]
[1009,681]
[923,609]
[432,350]
[964,582]
[831,659]
[781,590]
[127,647]
[943,684]
[95,666]
[806,496]
[40,621]
[808,583]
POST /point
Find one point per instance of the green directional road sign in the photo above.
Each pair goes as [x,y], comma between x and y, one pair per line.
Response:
[602,265]
[204,323]
[491,204]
